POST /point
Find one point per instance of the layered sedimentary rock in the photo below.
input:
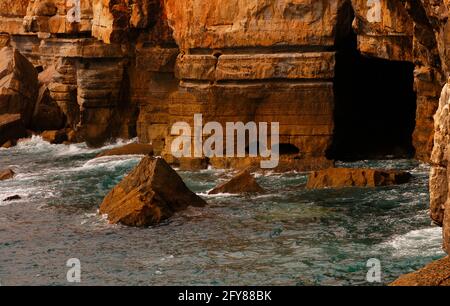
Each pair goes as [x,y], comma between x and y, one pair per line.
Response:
[18,84]
[244,182]
[134,67]
[258,61]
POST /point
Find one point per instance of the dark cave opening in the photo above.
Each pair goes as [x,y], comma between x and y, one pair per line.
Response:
[375,106]
[288,149]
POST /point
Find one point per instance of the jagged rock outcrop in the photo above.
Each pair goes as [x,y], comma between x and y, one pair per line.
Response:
[18,84]
[47,114]
[12,198]
[348,177]
[151,193]
[243,183]
[55,136]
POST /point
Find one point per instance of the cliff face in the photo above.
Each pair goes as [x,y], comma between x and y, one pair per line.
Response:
[123,68]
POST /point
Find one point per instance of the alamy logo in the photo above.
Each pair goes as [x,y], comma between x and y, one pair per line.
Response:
[236,136]
[74,273]
[374,12]
[374,273]
[74,11]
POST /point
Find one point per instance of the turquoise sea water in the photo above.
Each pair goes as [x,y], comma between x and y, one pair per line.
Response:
[290,236]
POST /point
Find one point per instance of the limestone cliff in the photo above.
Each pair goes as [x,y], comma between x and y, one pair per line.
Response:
[125,68]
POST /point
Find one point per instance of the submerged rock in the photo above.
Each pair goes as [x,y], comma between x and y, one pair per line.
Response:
[47,115]
[6,174]
[347,177]
[439,176]
[129,149]
[151,193]
[243,182]
[12,198]
[436,273]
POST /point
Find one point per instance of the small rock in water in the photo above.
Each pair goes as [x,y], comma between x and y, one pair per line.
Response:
[9,144]
[12,198]
[6,174]
[243,182]
[349,177]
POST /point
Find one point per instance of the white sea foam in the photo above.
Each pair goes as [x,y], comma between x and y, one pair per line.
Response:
[426,242]
[109,162]
[219,195]
[36,144]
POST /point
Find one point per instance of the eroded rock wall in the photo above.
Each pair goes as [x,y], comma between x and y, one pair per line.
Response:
[134,67]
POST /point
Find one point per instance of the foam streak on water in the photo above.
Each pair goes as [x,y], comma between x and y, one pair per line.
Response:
[289,236]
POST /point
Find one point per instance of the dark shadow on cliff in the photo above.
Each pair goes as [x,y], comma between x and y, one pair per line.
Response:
[375,106]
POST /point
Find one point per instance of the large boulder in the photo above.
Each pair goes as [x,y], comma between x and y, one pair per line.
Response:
[11,128]
[152,192]
[434,274]
[243,182]
[347,177]
[18,84]
[129,149]
[6,174]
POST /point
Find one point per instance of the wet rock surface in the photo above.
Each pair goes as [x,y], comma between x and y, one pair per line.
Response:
[347,177]
[242,183]
[151,193]
[6,174]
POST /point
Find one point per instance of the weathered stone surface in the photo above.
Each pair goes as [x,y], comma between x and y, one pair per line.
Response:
[129,149]
[51,16]
[47,114]
[11,16]
[434,274]
[243,182]
[216,24]
[18,84]
[6,174]
[55,137]
[151,193]
[11,128]
[346,177]
[256,67]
